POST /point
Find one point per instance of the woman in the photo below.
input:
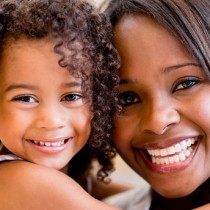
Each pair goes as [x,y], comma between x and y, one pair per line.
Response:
[163,129]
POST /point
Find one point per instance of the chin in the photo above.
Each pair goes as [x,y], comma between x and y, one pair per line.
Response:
[175,192]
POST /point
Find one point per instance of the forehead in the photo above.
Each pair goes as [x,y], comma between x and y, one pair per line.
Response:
[144,44]
[23,50]
[33,63]
[24,55]
[12,44]
[141,30]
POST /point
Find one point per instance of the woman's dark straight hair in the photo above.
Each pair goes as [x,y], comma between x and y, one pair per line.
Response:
[187,20]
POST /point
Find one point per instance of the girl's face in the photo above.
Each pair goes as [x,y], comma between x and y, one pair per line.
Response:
[163,132]
[43,116]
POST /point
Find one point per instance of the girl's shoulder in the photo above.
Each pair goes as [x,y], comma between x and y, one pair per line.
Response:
[25,185]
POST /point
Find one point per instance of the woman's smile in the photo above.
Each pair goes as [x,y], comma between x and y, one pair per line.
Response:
[171,158]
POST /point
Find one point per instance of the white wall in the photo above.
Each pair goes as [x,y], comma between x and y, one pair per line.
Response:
[98,3]
[125,174]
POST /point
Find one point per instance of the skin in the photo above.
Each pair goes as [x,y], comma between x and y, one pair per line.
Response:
[165,98]
[41,102]
[31,186]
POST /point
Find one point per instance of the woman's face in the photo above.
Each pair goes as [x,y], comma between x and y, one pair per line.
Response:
[163,132]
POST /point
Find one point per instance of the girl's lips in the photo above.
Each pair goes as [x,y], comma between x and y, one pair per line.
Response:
[173,158]
[49,143]
[50,147]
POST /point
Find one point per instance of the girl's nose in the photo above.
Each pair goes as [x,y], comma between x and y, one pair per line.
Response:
[50,117]
[159,117]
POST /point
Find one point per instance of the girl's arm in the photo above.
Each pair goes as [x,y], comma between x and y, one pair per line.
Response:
[102,190]
[26,186]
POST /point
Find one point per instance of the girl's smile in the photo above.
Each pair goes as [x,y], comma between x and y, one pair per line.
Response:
[51,146]
[163,130]
[46,118]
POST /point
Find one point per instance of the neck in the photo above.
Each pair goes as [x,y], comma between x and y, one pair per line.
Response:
[197,198]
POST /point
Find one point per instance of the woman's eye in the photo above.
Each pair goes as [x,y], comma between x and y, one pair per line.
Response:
[128,98]
[71,97]
[185,84]
[27,99]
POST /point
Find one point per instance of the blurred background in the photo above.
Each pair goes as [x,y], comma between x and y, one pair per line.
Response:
[125,174]
[100,4]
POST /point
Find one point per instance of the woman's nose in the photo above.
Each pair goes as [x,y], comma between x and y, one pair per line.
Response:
[159,117]
[50,117]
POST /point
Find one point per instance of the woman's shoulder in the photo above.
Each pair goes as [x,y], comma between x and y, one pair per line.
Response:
[26,185]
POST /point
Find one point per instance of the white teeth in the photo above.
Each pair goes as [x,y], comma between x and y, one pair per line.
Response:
[173,154]
[162,161]
[182,157]
[172,159]
[176,158]
[55,144]
[178,148]
[156,153]
[48,144]
[163,152]
[171,150]
[189,142]
[187,153]
[41,143]
[166,160]
[183,145]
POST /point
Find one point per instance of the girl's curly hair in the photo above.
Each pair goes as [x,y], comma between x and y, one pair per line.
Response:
[82,38]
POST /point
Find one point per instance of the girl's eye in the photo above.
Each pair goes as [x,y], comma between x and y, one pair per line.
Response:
[72,97]
[185,84]
[27,99]
[129,98]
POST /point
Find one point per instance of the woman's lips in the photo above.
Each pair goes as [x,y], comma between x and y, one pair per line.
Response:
[173,154]
[172,158]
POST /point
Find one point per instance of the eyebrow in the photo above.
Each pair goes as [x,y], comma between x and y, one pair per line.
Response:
[178,66]
[32,87]
[166,70]
[20,86]
[72,84]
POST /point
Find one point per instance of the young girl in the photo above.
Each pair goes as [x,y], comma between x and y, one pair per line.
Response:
[163,129]
[57,93]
